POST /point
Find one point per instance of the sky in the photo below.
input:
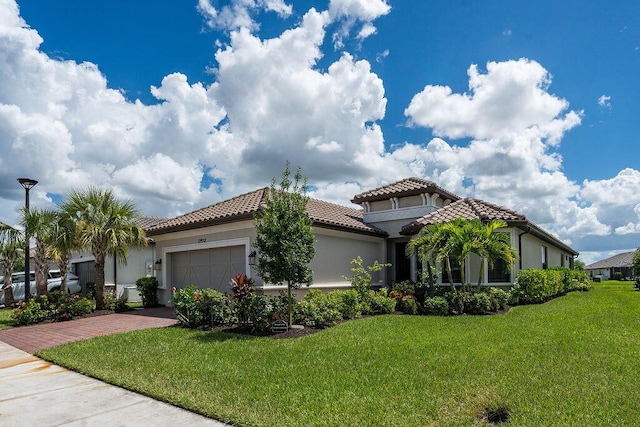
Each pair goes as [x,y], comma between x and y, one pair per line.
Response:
[180,104]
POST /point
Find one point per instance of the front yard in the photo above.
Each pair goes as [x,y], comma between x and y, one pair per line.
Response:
[572,361]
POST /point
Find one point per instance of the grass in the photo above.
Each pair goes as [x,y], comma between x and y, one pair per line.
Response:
[6,320]
[572,361]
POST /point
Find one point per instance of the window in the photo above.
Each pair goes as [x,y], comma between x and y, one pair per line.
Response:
[561,260]
[456,272]
[545,257]
[499,273]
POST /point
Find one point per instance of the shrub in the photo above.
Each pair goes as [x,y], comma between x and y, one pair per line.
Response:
[455,301]
[437,306]
[317,310]
[56,306]
[186,303]
[618,275]
[381,303]
[637,285]
[476,303]
[498,299]
[361,279]
[148,288]
[408,305]
[90,290]
[215,307]
[347,302]
[113,302]
[402,289]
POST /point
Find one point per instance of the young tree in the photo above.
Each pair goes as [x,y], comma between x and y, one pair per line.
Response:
[635,266]
[38,223]
[106,226]
[284,239]
[11,249]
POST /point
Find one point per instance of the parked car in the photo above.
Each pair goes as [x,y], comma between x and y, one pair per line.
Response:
[54,282]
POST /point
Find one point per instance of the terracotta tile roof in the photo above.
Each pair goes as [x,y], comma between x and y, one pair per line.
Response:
[617,261]
[147,222]
[405,187]
[243,207]
[233,209]
[466,208]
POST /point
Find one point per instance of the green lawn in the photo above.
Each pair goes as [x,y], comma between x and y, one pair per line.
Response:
[5,318]
[572,361]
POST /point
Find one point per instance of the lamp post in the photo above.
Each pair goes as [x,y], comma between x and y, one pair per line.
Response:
[27,184]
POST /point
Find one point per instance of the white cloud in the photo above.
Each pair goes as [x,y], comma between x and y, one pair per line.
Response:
[352,12]
[604,101]
[239,13]
[269,102]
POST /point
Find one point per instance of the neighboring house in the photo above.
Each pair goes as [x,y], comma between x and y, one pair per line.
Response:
[207,247]
[139,263]
[604,269]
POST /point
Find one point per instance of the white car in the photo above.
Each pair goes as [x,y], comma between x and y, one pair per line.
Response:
[54,282]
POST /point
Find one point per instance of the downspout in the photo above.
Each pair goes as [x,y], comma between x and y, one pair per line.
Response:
[115,274]
[520,245]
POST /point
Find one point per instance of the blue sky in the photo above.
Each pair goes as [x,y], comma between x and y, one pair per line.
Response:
[532,106]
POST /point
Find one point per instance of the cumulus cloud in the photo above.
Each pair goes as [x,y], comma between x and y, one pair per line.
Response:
[239,14]
[353,12]
[62,124]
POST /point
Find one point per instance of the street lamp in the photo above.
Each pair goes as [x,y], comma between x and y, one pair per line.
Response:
[27,184]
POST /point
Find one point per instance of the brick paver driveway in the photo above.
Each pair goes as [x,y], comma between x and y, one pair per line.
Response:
[36,337]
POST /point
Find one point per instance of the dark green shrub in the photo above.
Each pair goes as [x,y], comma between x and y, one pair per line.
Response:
[317,310]
[408,305]
[347,302]
[617,275]
[402,289]
[436,306]
[56,306]
[216,307]
[186,303]
[498,298]
[455,301]
[476,303]
[114,302]
[90,290]
[530,287]
[381,303]
[148,289]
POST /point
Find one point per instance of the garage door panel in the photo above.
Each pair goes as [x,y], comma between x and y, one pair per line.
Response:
[207,268]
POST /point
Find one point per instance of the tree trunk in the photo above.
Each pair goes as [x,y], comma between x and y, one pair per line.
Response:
[99,260]
[41,269]
[8,292]
[64,268]
[481,273]
[448,266]
[289,303]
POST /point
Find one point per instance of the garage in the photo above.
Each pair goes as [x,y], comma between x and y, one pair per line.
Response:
[207,268]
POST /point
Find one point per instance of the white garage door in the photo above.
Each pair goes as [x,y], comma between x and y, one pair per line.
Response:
[207,268]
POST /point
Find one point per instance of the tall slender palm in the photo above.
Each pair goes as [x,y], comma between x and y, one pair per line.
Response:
[438,243]
[63,241]
[492,246]
[11,249]
[106,226]
[39,222]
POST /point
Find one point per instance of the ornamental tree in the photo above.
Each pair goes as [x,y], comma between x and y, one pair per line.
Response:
[284,239]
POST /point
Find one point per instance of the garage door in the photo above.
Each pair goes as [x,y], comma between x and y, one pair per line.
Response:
[207,268]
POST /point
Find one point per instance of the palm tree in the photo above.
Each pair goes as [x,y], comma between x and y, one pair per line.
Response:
[63,241]
[438,243]
[39,222]
[11,248]
[106,226]
[492,246]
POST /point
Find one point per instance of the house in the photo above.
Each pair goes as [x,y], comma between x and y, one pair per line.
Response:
[207,247]
[604,269]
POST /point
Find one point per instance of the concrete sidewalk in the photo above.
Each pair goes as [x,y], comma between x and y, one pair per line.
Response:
[34,392]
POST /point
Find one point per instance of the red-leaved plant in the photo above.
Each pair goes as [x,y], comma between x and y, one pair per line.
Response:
[242,287]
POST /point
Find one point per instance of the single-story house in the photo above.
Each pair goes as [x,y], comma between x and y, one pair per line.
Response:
[208,246]
[604,269]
